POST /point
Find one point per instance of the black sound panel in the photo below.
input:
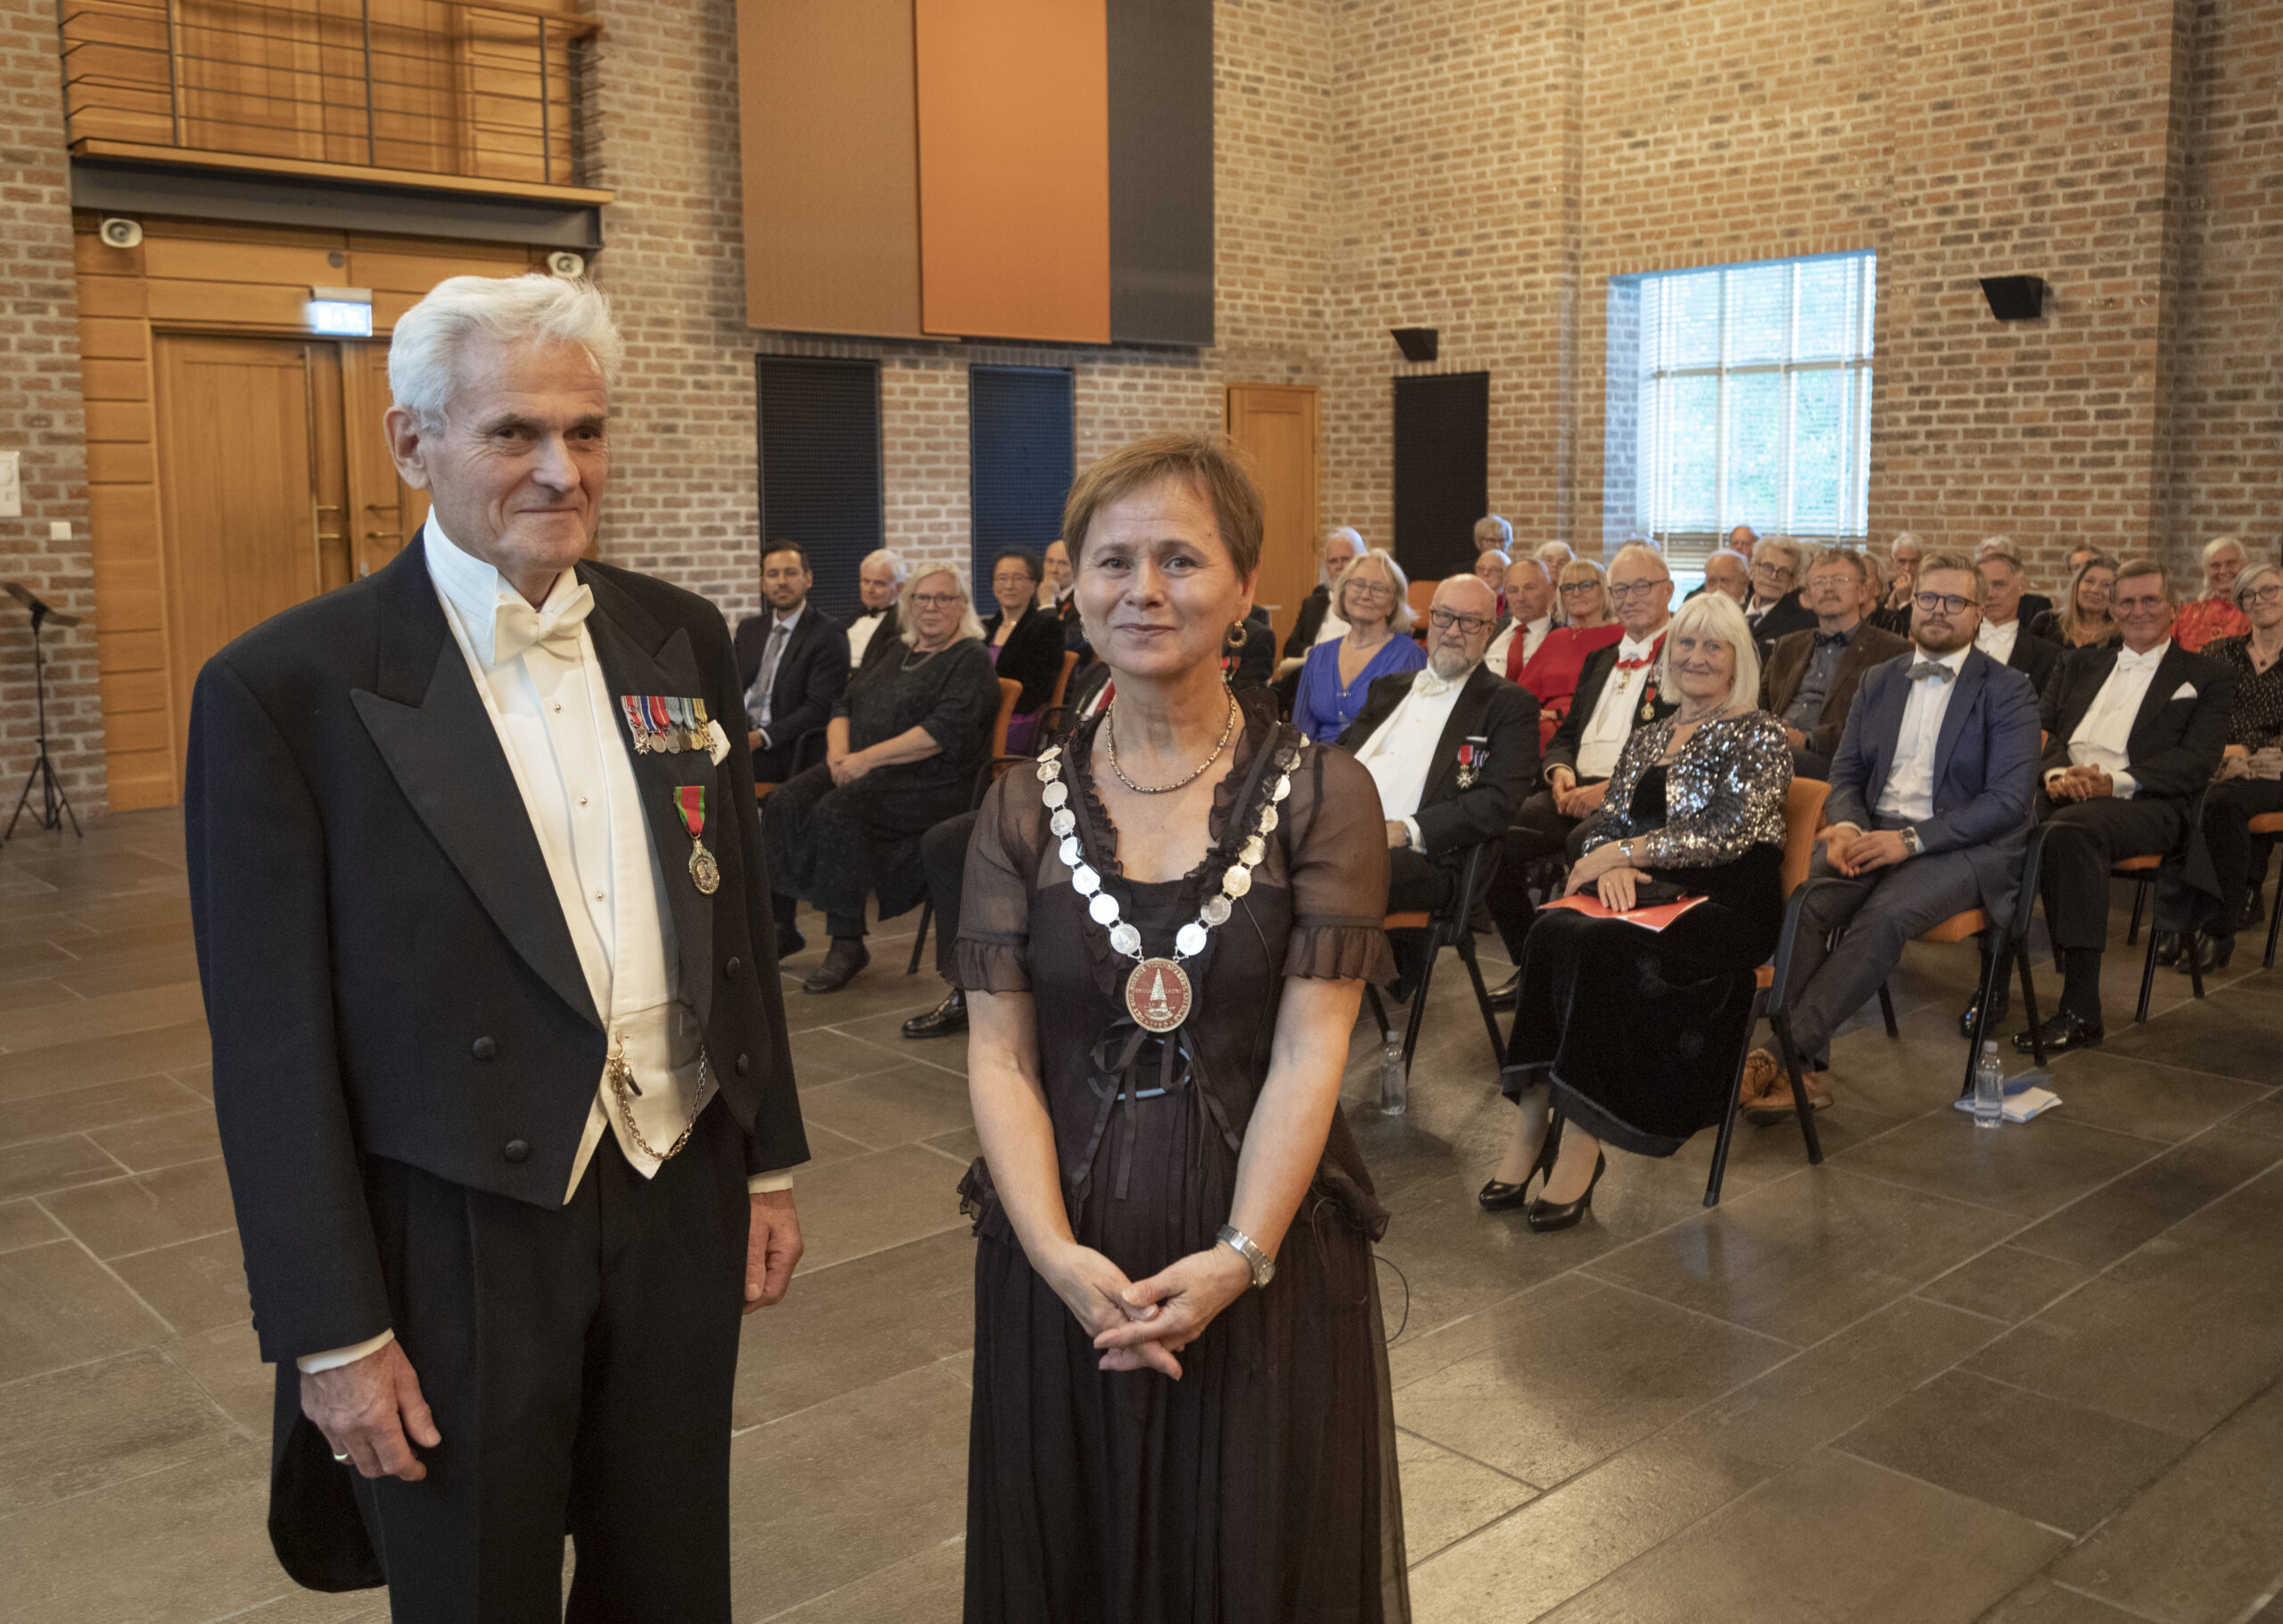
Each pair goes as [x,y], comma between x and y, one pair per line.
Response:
[819,436]
[1442,471]
[1022,450]
[1161,171]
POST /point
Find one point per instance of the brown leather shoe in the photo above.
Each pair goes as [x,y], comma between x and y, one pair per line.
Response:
[1775,1105]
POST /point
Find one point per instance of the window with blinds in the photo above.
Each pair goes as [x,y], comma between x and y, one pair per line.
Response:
[1752,398]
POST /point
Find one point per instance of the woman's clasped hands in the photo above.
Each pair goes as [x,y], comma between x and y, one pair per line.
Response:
[1141,1324]
[1614,880]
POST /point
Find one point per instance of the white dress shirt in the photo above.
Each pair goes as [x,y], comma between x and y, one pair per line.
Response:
[1602,741]
[1532,635]
[1998,641]
[860,635]
[543,689]
[1909,792]
[2101,737]
[1400,753]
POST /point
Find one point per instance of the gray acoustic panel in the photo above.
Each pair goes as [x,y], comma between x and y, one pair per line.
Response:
[819,440]
[1442,470]
[1161,171]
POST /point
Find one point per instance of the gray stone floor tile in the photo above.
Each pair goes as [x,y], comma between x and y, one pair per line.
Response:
[2057,1464]
[871,1202]
[2005,1284]
[129,971]
[1808,1254]
[30,995]
[2096,1230]
[2235,1033]
[853,1486]
[856,1323]
[63,1067]
[1451,1259]
[2102,1089]
[58,1307]
[1937,1557]
[879,1021]
[928,1589]
[1576,1373]
[149,1209]
[2043,1602]
[2265,1117]
[23,1224]
[823,1055]
[193,1285]
[198,1078]
[1447,1496]
[106,1012]
[2027,1169]
[906,1102]
[226,1362]
[163,1142]
[48,1164]
[105,1105]
[2203,1541]
[74,1431]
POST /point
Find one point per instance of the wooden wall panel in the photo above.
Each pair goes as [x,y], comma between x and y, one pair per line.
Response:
[1014,168]
[831,165]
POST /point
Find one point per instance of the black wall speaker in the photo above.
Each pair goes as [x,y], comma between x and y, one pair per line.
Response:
[2014,298]
[1418,343]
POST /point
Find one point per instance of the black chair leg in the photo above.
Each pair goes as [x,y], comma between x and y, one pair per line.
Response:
[919,940]
[1378,1009]
[1465,946]
[2021,951]
[2147,969]
[1993,976]
[2139,902]
[1728,1116]
[1807,1112]
[2274,925]
[2194,967]
[1886,1011]
[1419,998]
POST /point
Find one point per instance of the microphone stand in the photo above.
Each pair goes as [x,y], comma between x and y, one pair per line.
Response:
[54,804]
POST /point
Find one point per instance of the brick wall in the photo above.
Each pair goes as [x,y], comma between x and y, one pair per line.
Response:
[40,416]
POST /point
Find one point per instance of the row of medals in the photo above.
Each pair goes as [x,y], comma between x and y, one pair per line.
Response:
[1158,995]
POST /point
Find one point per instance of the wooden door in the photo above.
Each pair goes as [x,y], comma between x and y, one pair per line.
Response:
[1276,422]
[384,511]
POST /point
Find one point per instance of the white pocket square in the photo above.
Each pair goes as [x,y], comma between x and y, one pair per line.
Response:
[2186,691]
[721,741]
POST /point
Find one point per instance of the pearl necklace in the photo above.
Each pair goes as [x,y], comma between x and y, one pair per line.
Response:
[1158,991]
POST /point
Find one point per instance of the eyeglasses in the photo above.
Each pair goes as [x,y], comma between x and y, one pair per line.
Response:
[1827,583]
[2267,594]
[1581,586]
[1945,603]
[1371,588]
[1628,588]
[1443,619]
[935,600]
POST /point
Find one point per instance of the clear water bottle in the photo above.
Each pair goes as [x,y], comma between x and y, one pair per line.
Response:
[1395,1078]
[1988,1089]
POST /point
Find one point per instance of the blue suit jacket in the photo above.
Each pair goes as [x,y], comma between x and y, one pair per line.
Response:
[810,680]
[1985,767]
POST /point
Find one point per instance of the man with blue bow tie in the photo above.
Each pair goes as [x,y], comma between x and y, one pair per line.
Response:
[1930,809]
[500,1056]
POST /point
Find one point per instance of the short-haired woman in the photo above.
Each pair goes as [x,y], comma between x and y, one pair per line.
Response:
[1024,640]
[2216,613]
[2250,780]
[1373,596]
[901,751]
[2083,619]
[1164,934]
[1628,1037]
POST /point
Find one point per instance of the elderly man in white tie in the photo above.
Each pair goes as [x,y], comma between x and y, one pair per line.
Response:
[2135,730]
[500,1058]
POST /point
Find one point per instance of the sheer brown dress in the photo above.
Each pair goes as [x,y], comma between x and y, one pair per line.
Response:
[1262,1485]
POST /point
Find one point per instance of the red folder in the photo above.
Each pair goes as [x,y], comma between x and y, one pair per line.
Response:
[1647,919]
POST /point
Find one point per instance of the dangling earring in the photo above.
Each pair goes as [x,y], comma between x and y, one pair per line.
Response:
[1236,638]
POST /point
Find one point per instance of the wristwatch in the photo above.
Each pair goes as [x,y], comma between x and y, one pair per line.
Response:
[1262,1267]
[1910,840]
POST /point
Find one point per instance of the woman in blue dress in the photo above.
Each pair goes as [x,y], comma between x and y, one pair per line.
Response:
[1373,598]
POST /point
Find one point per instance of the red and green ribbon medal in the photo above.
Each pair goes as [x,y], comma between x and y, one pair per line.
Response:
[704,873]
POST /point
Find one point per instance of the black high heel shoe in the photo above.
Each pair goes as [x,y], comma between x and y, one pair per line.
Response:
[1547,1215]
[1495,1197]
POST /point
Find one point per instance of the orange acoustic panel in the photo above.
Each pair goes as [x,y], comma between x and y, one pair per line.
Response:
[831,166]
[1014,168]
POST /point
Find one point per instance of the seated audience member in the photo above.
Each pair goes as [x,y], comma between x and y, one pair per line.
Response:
[1727,571]
[1930,809]
[1453,748]
[879,579]
[1874,596]
[793,661]
[1548,663]
[1251,662]
[901,753]
[1892,612]
[1491,569]
[2215,614]
[2082,621]
[2031,603]
[2138,728]
[1491,531]
[1774,610]
[1023,640]
[1628,1037]
[1525,598]
[1581,594]
[1054,594]
[1811,676]
[2001,634]
[1617,691]
[1742,540]
[1372,603]
[1316,622]
[2251,770]
[1554,554]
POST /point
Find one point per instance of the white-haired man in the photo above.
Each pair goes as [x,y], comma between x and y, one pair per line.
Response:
[499,1057]
[871,635]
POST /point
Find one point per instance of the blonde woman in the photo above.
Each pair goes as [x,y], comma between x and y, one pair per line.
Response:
[1373,596]
[2083,619]
[1581,594]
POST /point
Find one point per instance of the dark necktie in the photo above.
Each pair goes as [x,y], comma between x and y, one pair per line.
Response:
[1831,639]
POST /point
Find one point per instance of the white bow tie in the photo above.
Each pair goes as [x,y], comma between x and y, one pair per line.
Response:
[1427,684]
[2126,660]
[516,626]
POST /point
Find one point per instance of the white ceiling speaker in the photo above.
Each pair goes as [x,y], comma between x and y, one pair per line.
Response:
[570,267]
[123,233]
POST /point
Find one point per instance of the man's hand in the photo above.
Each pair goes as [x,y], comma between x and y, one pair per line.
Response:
[2082,783]
[772,1247]
[755,740]
[1880,848]
[1799,740]
[368,1408]
[1582,801]
[1398,835]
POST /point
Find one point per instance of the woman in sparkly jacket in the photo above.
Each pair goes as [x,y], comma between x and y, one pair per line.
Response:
[1626,1036]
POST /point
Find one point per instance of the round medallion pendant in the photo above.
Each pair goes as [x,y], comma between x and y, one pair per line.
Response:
[704,872]
[1157,994]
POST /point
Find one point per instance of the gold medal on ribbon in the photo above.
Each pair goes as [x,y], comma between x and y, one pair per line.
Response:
[704,873]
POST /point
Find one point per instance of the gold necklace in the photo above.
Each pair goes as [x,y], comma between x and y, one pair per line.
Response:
[1145,789]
